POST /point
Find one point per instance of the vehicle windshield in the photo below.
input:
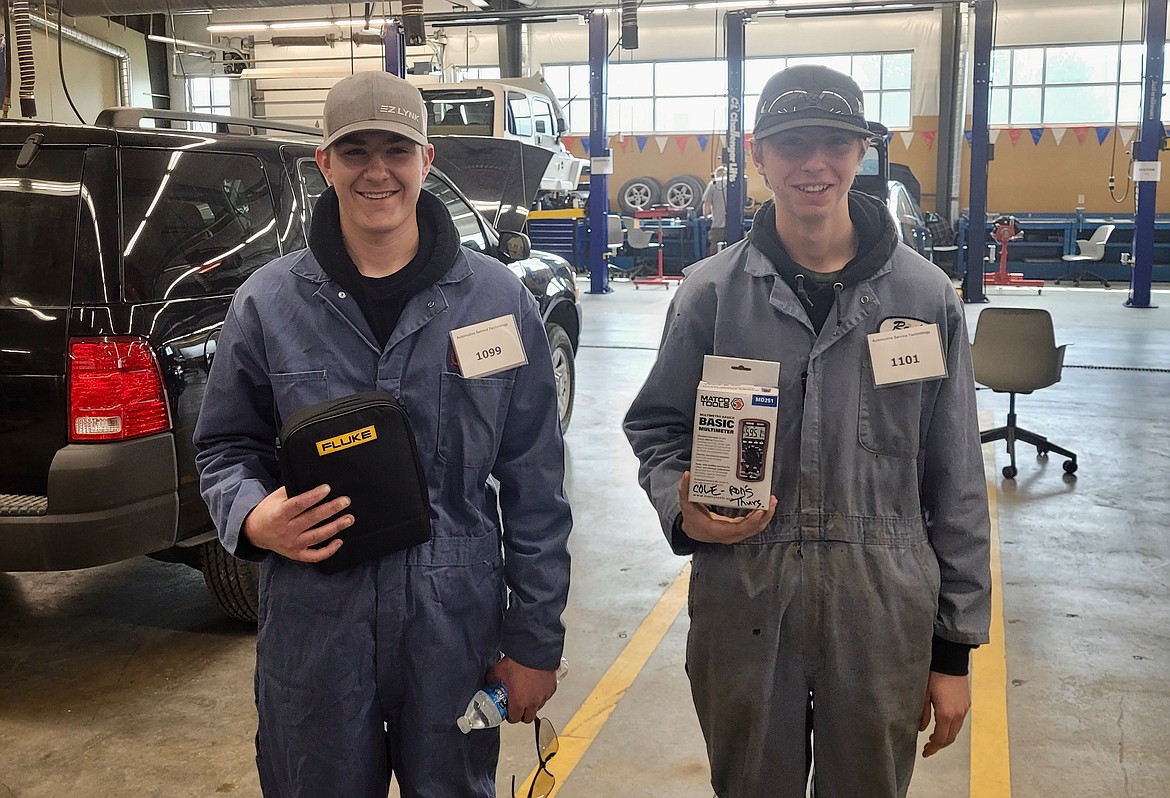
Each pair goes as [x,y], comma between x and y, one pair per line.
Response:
[459,112]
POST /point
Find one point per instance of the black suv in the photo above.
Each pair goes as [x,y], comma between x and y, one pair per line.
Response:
[120,247]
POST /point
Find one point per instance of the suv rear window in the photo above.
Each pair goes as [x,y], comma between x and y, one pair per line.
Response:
[193,223]
[38,226]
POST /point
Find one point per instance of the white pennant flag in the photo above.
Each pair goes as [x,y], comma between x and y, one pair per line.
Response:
[907,138]
[1127,135]
[661,141]
[1058,133]
[993,134]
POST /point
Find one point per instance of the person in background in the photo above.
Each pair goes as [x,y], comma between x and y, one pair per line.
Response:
[715,208]
[361,675]
[831,627]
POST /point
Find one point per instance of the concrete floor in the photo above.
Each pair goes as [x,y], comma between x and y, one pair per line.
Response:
[126,681]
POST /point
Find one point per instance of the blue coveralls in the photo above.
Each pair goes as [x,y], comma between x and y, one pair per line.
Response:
[880,538]
[408,639]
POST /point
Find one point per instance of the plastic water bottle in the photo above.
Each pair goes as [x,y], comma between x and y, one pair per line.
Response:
[489,706]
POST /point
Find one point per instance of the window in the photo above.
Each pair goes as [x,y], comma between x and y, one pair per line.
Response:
[478,73]
[466,222]
[519,114]
[38,226]
[1093,84]
[691,96]
[209,96]
[194,223]
[542,117]
[466,112]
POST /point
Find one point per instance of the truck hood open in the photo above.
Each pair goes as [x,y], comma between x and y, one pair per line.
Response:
[501,177]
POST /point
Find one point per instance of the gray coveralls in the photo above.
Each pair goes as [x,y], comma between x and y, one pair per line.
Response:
[408,639]
[880,538]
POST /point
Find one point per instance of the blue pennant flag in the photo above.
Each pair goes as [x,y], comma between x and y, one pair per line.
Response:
[967,135]
[702,142]
[641,141]
[1102,134]
[585,144]
[1036,132]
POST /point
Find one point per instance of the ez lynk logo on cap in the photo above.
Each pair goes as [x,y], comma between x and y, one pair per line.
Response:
[395,109]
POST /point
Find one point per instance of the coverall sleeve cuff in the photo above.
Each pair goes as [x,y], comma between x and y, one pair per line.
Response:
[251,493]
[950,658]
[679,542]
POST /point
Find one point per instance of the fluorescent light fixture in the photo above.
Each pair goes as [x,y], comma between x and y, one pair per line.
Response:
[237,27]
[261,73]
[361,23]
[481,3]
[323,23]
[642,9]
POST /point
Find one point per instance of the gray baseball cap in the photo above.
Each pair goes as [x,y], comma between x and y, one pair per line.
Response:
[810,95]
[374,101]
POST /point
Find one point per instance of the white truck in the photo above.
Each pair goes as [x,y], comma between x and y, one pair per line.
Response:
[522,110]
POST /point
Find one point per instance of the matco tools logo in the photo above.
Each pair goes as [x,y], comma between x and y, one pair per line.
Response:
[737,404]
[347,440]
[707,400]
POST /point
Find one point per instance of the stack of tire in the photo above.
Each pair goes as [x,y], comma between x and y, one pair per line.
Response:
[681,193]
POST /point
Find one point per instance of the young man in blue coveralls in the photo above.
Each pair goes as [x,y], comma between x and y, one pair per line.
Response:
[829,628]
[361,674]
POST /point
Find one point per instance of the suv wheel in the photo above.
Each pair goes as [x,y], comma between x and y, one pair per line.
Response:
[564,371]
[234,583]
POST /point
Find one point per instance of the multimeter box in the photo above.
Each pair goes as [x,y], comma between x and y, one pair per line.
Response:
[735,433]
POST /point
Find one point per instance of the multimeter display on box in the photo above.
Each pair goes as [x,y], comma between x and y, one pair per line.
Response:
[753,449]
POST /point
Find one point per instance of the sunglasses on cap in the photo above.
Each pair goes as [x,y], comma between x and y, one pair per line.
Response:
[795,100]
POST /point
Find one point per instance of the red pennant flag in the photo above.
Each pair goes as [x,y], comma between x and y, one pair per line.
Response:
[681,141]
[623,142]
[1081,133]
[569,141]
[928,137]
[1014,134]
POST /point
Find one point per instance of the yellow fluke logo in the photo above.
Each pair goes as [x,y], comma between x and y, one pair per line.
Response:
[347,440]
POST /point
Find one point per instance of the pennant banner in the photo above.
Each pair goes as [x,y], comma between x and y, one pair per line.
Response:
[967,135]
[1014,134]
[641,140]
[661,142]
[1081,133]
[1036,132]
[889,138]
[993,135]
[702,142]
[623,142]
[928,137]
[1127,135]
[569,141]
[1102,134]
[907,138]
[585,144]
[681,141]
[1058,133]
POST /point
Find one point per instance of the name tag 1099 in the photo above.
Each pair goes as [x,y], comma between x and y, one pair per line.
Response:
[488,347]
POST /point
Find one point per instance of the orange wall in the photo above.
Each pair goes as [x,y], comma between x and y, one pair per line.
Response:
[1025,177]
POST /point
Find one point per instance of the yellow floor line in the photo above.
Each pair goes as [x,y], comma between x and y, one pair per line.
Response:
[583,728]
[990,756]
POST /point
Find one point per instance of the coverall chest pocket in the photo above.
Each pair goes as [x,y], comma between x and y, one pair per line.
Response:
[294,390]
[471,419]
[889,417]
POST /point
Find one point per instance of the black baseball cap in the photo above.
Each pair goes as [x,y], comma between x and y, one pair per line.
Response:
[810,95]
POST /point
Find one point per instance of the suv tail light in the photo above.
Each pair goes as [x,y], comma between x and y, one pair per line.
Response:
[115,390]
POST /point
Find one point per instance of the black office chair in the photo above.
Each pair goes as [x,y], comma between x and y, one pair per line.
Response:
[1015,352]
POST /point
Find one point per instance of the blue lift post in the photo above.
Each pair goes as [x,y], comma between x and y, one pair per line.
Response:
[980,149]
[733,153]
[1148,147]
[598,183]
[394,50]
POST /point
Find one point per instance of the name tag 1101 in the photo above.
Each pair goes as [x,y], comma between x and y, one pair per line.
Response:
[489,347]
[909,355]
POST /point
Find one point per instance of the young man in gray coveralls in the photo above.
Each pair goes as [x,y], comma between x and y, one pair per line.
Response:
[361,674]
[828,629]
